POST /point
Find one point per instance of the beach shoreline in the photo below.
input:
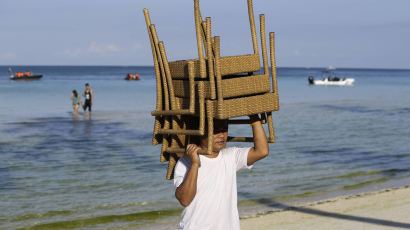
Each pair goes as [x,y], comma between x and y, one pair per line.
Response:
[369,209]
[384,209]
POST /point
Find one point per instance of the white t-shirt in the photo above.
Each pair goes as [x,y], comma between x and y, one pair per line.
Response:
[214,206]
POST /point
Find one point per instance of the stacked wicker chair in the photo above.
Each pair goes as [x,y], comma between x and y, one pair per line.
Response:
[190,92]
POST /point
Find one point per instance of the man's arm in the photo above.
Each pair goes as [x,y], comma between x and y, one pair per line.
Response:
[261,147]
[186,191]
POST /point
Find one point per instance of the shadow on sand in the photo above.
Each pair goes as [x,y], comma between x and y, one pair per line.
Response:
[283,207]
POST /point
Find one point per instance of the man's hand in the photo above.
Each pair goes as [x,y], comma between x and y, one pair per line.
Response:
[253,118]
[192,153]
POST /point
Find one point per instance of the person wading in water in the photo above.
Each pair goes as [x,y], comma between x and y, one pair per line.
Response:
[88,95]
[76,100]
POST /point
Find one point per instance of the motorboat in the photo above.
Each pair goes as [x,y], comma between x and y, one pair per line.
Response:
[132,77]
[331,81]
[32,77]
[330,78]
[24,76]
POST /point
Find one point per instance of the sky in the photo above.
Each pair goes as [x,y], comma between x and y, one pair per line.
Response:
[315,33]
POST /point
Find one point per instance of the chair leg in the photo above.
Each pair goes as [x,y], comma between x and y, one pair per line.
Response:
[210,58]
[272,138]
[165,142]
[218,76]
[161,67]
[173,159]
[253,28]
[175,139]
[156,138]
[263,44]
[273,64]
[198,31]
[157,125]
[210,126]
[263,118]
[201,93]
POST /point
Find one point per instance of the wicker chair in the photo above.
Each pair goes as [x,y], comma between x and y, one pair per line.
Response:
[167,105]
[234,95]
[226,96]
[173,124]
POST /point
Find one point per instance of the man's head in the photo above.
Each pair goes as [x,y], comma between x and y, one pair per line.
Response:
[87,85]
[220,136]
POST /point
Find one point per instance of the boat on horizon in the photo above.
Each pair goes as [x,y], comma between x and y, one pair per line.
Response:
[330,67]
[28,75]
[331,79]
[32,77]
[132,77]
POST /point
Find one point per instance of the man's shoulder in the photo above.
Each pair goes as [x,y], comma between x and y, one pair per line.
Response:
[229,152]
[234,149]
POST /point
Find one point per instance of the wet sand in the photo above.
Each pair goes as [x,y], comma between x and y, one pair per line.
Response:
[387,209]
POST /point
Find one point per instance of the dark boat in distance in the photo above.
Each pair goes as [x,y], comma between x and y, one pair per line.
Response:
[132,77]
[32,77]
[28,75]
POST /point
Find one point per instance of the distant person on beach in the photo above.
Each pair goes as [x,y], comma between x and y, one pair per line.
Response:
[88,95]
[76,100]
[206,184]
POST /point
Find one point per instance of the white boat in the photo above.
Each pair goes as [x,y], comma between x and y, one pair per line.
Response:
[330,67]
[330,78]
[331,81]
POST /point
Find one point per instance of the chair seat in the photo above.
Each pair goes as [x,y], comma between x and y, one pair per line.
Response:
[243,106]
[230,65]
[237,107]
[235,86]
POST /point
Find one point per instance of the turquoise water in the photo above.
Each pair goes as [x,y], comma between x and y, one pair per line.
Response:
[58,171]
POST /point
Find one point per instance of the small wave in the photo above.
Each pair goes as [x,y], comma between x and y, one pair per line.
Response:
[367,173]
[41,215]
[360,185]
[336,189]
[363,109]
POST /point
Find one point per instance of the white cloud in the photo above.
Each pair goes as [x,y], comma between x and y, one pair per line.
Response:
[8,56]
[297,53]
[94,48]
[73,52]
[136,46]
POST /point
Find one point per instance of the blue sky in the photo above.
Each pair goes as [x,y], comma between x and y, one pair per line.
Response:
[315,33]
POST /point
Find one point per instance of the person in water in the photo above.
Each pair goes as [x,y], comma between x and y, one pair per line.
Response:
[76,100]
[88,95]
[206,184]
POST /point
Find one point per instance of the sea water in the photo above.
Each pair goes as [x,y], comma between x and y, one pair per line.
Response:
[100,171]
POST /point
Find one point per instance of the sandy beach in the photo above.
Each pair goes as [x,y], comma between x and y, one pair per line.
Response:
[387,209]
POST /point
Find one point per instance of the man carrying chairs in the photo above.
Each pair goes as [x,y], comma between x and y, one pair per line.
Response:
[196,101]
